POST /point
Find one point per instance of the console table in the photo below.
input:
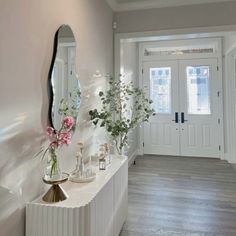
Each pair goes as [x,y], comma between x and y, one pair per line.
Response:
[98,208]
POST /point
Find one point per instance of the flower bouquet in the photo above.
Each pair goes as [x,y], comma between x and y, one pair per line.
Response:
[57,139]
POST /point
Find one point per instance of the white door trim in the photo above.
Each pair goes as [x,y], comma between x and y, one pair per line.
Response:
[216,56]
[204,32]
[230,90]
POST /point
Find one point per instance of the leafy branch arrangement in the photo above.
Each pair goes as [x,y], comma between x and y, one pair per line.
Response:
[123,108]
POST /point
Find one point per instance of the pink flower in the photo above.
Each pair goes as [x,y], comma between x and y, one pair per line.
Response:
[53,144]
[64,138]
[50,131]
[68,122]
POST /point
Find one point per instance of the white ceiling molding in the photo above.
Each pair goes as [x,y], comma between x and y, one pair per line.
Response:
[148,4]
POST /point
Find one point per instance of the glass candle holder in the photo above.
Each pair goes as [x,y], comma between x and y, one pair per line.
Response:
[102,164]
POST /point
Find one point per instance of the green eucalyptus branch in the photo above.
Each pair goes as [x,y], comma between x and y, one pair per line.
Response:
[118,115]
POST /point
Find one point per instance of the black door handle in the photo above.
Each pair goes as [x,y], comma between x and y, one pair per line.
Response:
[182,118]
[176,120]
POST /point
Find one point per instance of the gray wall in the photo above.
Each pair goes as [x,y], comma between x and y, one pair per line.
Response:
[27,30]
[217,14]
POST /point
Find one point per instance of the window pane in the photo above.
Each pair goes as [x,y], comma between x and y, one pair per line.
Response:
[198,89]
[175,51]
[160,89]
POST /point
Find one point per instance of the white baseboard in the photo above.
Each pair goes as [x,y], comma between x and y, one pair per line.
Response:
[225,157]
[229,158]
[232,160]
[139,152]
[132,157]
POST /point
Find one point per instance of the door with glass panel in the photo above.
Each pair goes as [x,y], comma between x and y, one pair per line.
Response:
[161,134]
[185,98]
[199,108]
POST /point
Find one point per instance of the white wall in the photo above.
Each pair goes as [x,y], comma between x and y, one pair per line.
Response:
[230,96]
[129,69]
[204,15]
[229,42]
[27,30]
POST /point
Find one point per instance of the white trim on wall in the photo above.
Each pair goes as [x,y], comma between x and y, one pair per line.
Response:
[132,158]
[149,4]
[230,90]
[171,34]
[217,42]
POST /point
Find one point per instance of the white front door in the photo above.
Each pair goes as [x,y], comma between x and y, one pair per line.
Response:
[185,98]
[161,134]
[199,107]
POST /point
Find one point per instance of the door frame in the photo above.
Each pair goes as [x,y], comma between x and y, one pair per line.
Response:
[230,89]
[182,33]
[217,55]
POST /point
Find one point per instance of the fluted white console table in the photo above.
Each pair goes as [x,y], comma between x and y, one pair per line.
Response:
[98,208]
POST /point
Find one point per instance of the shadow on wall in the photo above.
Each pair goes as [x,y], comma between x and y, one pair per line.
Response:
[11,210]
[20,174]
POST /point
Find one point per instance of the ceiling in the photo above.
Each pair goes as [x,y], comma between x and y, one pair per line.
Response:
[127,5]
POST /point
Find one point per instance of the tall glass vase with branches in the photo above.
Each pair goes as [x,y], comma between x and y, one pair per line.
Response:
[124,107]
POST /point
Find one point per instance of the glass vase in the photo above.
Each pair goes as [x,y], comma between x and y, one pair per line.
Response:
[52,169]
[112,148]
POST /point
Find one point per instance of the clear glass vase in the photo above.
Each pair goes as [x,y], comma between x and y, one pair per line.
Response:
[52,169]
[112,148]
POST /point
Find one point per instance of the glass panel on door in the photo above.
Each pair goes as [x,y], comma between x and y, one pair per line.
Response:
[160,89]
[198,90]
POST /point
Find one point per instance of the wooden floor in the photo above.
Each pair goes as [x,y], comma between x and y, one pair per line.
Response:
[181,196]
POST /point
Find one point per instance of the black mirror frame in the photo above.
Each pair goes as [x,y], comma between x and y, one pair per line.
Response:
[50,87]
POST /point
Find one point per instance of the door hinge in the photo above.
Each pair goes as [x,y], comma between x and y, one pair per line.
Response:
[218,121]
[218,93]
[142,71]
[143,144]
[217,68]
[219,148]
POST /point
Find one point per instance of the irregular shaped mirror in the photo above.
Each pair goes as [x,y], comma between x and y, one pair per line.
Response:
[64,87]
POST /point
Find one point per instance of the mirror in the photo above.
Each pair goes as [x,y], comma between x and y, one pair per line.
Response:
[63,83]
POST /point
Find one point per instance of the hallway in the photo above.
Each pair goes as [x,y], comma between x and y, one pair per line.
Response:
[181,196]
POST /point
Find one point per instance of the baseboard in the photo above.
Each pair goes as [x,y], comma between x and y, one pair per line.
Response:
[139,152]
[132,157]
[232,161]
[225,157]
[230,158]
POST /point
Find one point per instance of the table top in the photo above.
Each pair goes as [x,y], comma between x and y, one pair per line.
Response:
[80,194]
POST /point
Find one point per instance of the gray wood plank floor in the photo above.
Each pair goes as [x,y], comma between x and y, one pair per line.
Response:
[181,196]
